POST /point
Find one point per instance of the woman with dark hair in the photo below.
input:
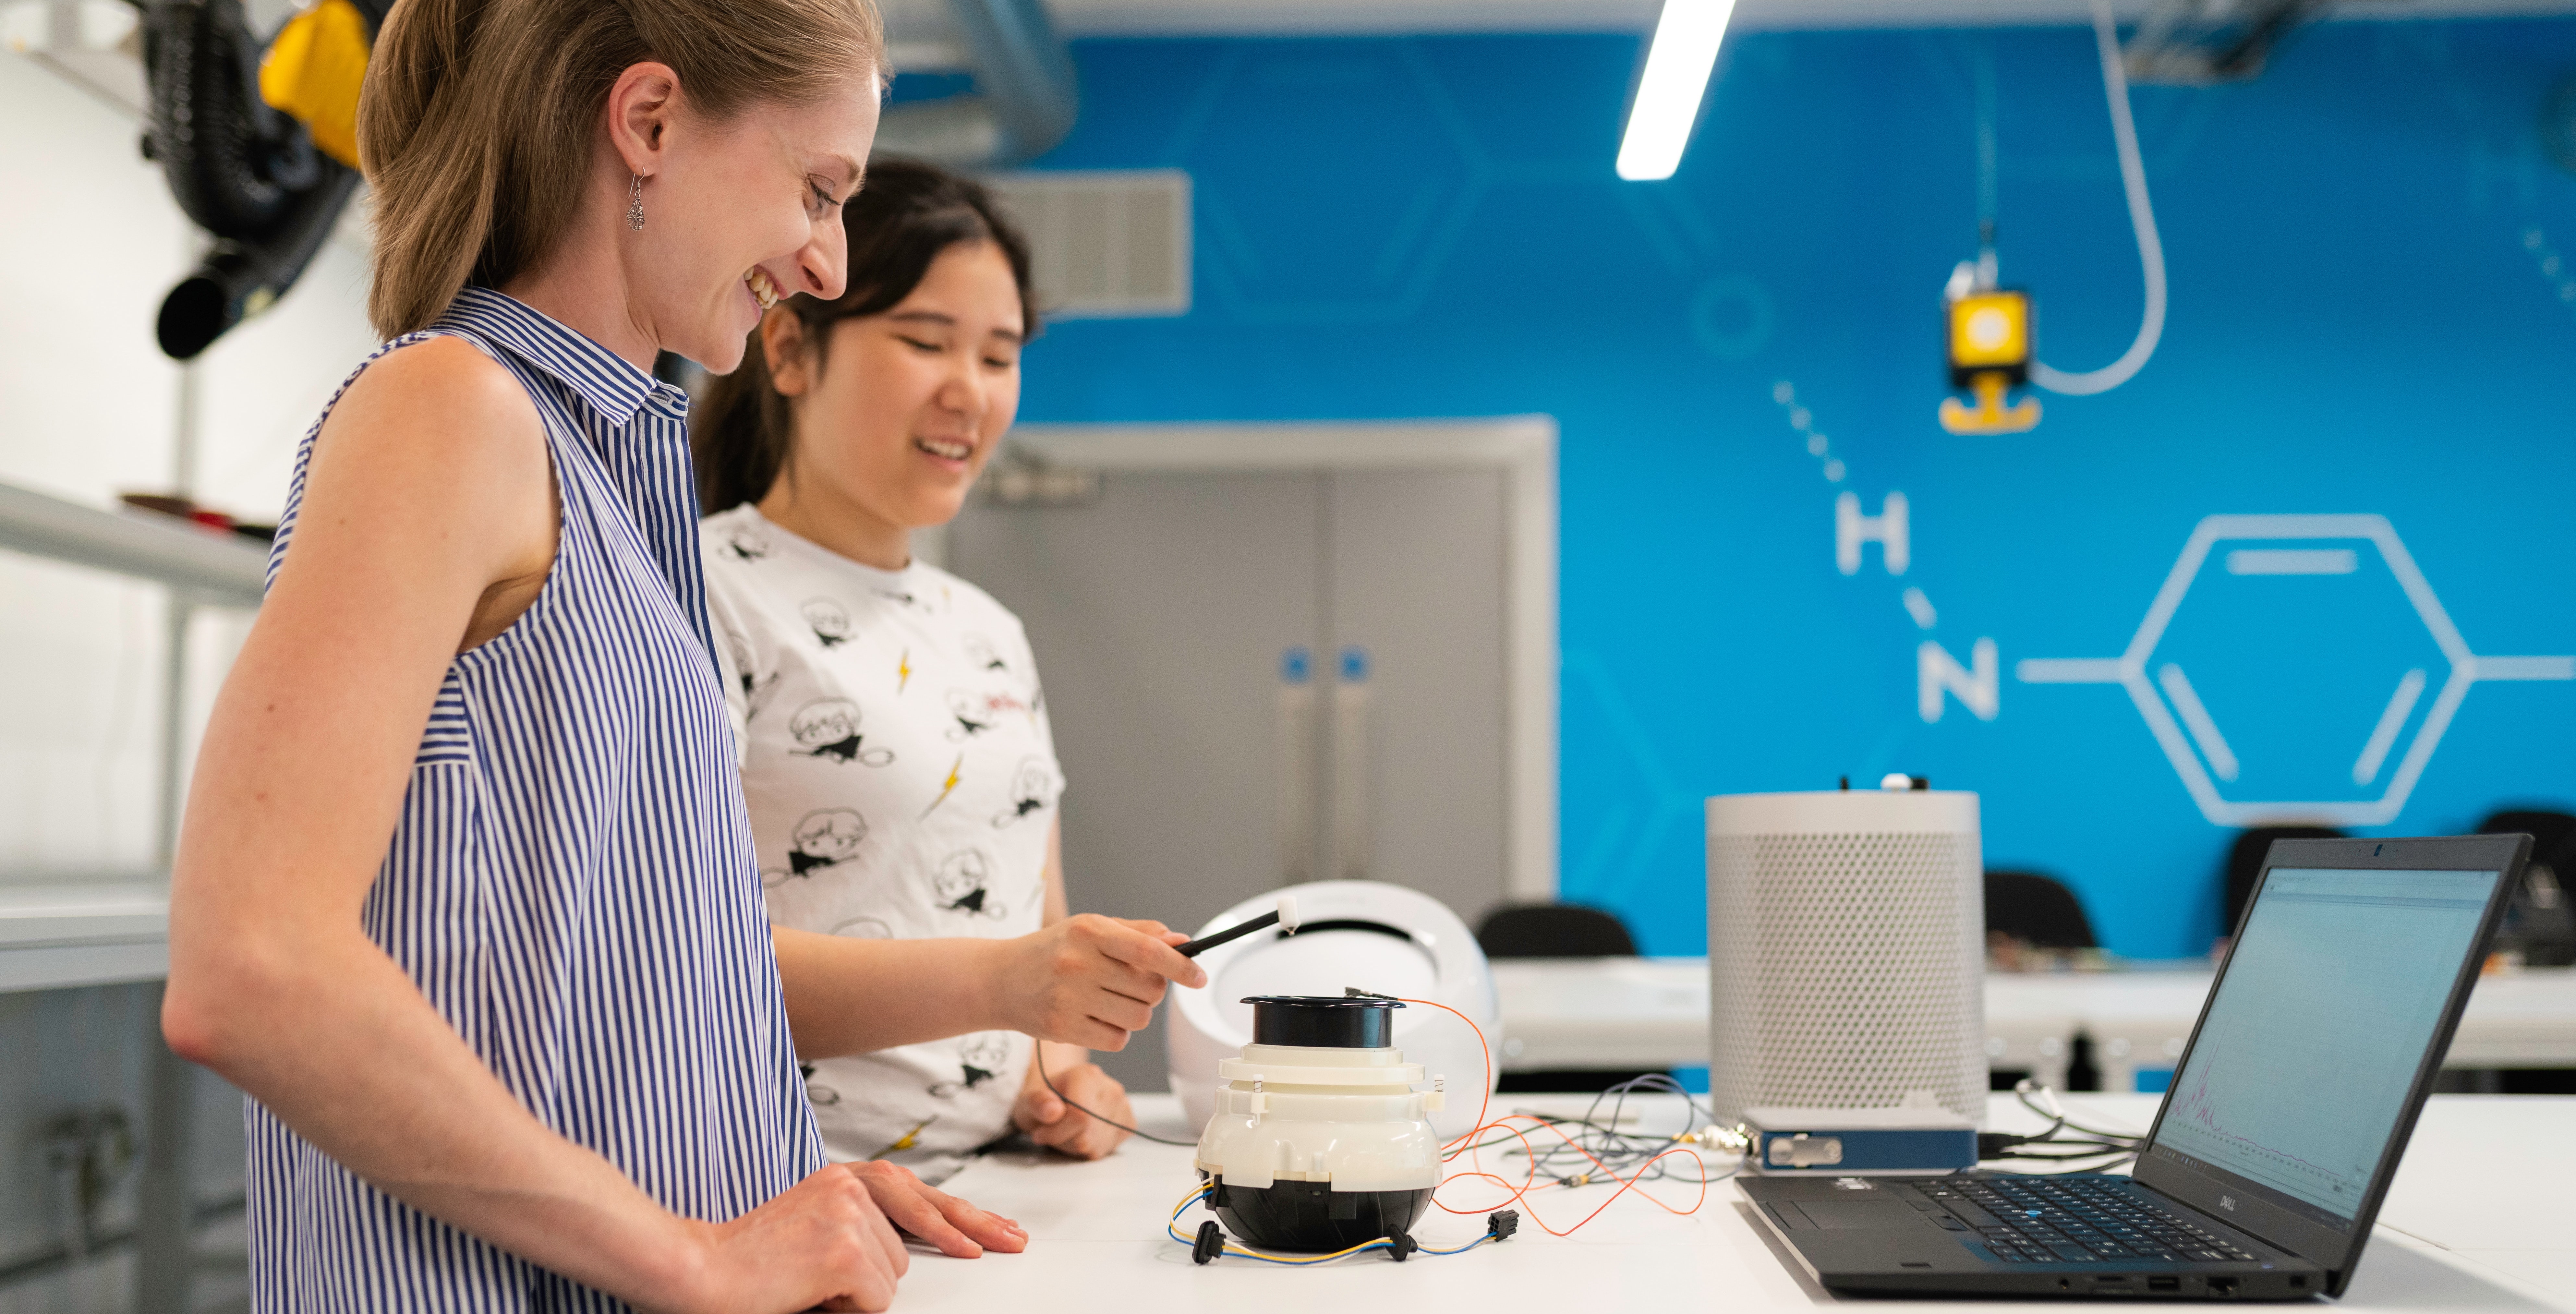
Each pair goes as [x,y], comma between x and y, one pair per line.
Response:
[900,776]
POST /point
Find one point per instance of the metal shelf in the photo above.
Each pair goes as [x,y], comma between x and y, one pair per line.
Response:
[114,928]
[211,564]
[54,937]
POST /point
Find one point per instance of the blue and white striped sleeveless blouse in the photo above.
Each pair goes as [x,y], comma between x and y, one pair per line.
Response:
[571,881]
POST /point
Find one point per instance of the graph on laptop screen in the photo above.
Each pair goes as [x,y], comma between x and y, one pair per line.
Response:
[2303,1064]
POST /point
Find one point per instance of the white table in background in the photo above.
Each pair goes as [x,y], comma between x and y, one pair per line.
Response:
[2477,1220]
[1607,1013]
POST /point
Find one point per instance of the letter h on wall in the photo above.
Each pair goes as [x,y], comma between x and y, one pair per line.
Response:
[1887,529]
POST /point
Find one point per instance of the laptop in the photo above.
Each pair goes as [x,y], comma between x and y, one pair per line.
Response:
[2276,1139]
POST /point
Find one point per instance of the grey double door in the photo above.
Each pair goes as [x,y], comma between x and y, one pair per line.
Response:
[1262,678]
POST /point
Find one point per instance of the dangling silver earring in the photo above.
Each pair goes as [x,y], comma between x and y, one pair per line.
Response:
[635,203]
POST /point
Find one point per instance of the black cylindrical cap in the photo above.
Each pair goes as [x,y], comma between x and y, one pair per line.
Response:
[202,307]
[1323,1020]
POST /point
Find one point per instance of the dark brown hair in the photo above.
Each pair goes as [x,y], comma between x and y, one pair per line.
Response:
[904,216]
[476,119]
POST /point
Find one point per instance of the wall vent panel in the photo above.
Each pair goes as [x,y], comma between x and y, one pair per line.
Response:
[1108,244]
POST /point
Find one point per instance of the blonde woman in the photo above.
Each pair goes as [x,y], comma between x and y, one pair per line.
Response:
[901,774]
[465,899]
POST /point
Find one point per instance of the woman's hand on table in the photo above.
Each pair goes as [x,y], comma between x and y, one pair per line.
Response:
[822,1244]
[1050,1123]
[936,1217]
[1090,980]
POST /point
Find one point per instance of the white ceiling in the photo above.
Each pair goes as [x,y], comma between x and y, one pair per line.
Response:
[1179,17]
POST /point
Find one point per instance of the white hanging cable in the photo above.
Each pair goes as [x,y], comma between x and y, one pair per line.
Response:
[2151,251]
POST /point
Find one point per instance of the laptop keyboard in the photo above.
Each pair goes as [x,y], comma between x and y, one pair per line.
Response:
[2050,1220]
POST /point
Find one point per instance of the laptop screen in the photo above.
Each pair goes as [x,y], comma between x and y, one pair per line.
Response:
[2303,1064]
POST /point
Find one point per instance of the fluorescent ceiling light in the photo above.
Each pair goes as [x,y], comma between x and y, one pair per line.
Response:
[1677,67]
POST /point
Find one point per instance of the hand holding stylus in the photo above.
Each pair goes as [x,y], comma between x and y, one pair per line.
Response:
[1091,980]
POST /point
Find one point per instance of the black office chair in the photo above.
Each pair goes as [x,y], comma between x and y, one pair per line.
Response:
[2553,834]
[2037,910]
[2245,864]
[2540,923]
[1554,930]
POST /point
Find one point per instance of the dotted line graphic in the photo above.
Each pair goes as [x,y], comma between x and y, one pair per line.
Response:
[1785,394]
[1818,446]
[2552,266]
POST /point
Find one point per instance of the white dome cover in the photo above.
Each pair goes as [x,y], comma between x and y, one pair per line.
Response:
[1437,959]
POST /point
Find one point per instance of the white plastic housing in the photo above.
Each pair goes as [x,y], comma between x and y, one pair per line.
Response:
[1346,1117]
[1439,961]
[1846,951]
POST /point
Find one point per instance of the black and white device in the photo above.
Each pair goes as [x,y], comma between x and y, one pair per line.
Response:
[2277,1138]
[1385,938]
[1319,1140]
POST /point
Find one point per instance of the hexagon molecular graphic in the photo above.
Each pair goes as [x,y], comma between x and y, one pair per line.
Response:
[1284,243]
[2296,667]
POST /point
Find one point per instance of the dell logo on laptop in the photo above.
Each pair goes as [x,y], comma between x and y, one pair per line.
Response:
[2227,1202]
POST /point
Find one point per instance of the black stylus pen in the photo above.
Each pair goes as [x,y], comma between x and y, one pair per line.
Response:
[1284,915]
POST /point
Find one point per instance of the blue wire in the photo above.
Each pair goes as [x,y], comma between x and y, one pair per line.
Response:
[1462,1249]
[1238,1252]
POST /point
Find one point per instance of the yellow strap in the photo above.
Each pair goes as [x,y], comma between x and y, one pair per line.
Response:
[313,71]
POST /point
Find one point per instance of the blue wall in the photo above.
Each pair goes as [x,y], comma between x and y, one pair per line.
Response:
[2369,318]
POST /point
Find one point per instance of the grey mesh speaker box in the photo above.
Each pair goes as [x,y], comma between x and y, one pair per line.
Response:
[1846,951]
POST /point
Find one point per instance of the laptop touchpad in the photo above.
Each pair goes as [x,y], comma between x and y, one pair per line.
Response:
[1842,1215]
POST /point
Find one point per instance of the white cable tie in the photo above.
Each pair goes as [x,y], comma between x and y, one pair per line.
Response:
[2142,220]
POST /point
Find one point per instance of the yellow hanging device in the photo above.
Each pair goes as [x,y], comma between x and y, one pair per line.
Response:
[313,70]
[1989,355]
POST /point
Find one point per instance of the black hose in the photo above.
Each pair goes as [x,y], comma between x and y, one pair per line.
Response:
[243,171]
[234,163]
[239,279]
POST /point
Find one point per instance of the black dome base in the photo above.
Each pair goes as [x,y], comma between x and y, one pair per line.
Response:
[1311,1217]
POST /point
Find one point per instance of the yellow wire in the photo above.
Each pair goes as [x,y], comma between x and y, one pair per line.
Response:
[1232,1249]
[1311,1259]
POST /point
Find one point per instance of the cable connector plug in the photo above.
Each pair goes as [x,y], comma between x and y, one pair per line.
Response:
[1210,1243]
[1401,1245]
[1501,1223]
[1995,1145]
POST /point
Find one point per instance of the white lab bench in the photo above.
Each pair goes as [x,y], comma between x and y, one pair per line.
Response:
[1608,1013]
[2477,1220]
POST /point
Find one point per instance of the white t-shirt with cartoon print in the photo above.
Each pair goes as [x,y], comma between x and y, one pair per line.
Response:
[901,780]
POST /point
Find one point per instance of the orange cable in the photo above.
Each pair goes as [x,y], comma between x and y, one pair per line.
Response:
[1519,1194]
[1486,1099]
